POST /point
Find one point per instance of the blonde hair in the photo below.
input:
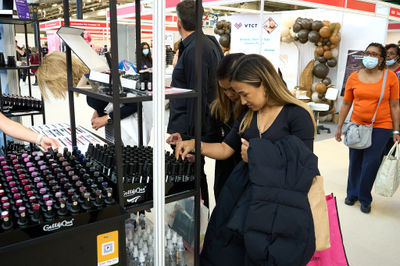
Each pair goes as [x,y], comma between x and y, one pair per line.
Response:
[52,74]
[221,107]
[256,70]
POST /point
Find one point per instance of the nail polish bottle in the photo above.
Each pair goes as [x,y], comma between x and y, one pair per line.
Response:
[109,199]
[22,220]
[49,213]
[7,223]
[35,218]
[62,211]
[74,208]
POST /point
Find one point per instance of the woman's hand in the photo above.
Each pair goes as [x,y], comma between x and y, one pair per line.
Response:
[94,116]
[396,138]
[99,122]
[47,143]
[183,148]
[245,146]
[174,138]
[338,134]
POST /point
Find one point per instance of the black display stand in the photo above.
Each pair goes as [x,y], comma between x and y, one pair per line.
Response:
[116,100]
[28,67]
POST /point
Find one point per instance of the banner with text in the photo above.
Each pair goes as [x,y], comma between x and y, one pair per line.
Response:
[245,35]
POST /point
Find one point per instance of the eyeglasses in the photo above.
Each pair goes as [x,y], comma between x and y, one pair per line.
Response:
[373,54]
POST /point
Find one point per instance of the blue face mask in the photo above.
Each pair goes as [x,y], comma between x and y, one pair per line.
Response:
[390,62]
[370,62]
[145,51]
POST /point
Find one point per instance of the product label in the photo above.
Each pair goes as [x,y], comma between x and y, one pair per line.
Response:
[133,192]
[107,249]
[56,226]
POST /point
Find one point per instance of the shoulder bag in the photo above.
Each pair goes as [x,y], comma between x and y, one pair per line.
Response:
[359,136]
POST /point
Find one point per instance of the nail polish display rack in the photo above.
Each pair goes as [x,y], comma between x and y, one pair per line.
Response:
[138,171]
[43,193]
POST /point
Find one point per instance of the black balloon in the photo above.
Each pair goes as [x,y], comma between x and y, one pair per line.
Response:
[313,36]
[316,25]
[332,62]
[306,24]
[320,71]
[325,41]
[224,40]
[219,25]
[326,81]
[296,27]
[303,40]
[321,59]
[303,34]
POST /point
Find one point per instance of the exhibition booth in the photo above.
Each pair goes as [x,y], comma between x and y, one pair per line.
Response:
[315,49]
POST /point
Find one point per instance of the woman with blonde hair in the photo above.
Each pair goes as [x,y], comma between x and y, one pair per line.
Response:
[52,74]
[273,112]
[262,216]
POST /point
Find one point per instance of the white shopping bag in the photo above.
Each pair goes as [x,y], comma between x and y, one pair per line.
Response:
[387,179]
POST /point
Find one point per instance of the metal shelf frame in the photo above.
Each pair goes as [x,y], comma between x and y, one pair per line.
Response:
[158,97]
[12,21]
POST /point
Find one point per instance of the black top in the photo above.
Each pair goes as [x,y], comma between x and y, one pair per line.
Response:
[292,120]
[182,111]
[99,105]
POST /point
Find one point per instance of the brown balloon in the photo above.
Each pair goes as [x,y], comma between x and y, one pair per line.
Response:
[320,88]
[319,50]
[328,54]
[325,32]
[326,47]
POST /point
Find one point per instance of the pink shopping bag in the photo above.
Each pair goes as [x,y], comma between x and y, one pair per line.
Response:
[335,255]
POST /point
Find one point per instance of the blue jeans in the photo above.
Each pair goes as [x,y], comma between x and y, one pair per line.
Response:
[364,165]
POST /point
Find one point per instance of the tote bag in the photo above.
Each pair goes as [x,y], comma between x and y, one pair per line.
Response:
[319,210]
[387,178]
[336,254]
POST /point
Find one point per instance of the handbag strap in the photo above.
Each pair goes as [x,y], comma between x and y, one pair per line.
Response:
[380,99]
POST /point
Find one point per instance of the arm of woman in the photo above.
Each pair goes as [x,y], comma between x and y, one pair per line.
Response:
[395,113]
[18,131]
[344,111]
[218,151]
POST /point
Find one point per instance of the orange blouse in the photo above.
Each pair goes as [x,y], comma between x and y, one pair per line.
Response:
[365,97]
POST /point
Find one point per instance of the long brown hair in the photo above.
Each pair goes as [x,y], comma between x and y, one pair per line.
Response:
[221,107]
[256,70]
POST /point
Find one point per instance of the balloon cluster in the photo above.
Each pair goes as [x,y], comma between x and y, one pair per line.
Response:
[326,37]
[223,29]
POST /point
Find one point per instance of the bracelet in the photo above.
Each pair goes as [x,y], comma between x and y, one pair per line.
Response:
[39,139]
[396,132]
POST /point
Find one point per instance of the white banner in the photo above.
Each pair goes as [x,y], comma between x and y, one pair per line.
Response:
[245,35]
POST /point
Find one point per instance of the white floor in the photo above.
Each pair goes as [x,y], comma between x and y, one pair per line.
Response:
[370,239]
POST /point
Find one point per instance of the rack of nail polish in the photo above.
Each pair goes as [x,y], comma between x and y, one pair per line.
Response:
[17,147]
[140,247]
[15,103]
[138,171]
[46,192]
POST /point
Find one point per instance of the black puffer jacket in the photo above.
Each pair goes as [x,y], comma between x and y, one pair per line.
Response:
[263,216]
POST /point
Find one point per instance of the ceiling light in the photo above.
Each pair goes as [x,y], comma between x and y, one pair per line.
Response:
[101,13]
[54,5]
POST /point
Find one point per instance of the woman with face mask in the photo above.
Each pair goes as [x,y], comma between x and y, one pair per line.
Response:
[146,60]
[392,58]
[363,90]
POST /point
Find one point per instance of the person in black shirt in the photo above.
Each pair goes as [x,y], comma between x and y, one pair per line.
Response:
[182,113]
[225,109]
[273,112]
